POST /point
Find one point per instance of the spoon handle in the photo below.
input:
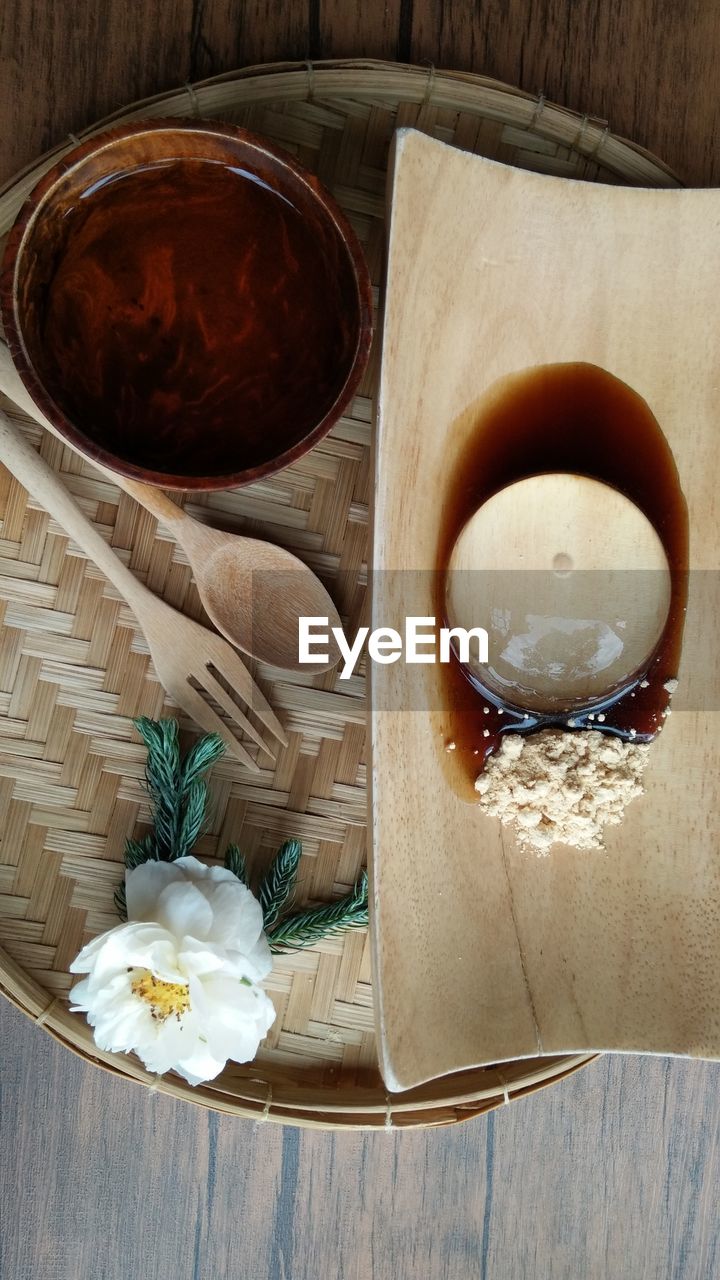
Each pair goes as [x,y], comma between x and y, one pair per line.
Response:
[196,539]
[153,500]
[47,488]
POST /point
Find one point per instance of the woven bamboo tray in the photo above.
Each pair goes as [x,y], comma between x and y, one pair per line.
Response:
[74,670]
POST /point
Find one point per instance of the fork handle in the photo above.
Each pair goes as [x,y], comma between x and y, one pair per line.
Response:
[48,489]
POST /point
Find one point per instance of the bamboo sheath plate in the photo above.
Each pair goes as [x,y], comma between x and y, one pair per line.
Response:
[74,670]
[486,952]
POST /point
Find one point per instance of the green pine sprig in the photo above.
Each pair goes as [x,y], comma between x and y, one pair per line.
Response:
[139,851]
[279,881]
[235,862]
[178,793]
[305,928]
[176,786]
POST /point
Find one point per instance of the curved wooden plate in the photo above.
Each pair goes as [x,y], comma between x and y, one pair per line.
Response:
[580,951]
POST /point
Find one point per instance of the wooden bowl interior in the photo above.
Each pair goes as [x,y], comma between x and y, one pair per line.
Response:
[54,215]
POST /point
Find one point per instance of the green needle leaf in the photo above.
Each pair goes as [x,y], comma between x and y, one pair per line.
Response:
[177,793]
[307,927]
[278,882]
[235,862]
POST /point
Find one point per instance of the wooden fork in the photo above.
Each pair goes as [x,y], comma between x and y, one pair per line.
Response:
[182,650]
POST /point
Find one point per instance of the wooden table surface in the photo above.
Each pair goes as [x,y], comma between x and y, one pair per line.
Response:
[615,1173]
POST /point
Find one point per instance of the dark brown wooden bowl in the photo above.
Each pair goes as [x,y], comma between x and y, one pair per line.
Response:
[186,304]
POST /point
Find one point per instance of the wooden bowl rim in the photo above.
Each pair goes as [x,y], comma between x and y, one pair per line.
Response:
[31,210]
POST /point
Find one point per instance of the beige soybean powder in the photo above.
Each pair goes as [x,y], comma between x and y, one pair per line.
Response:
[558,787]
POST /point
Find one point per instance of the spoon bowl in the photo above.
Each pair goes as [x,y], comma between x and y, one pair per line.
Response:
[255,593]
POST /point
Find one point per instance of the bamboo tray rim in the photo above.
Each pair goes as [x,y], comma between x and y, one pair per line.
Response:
[589,135]
[264,1101]
[447,1099]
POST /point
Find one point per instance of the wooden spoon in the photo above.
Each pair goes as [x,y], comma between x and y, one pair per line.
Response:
[253,591]
[188,658]
[571,581]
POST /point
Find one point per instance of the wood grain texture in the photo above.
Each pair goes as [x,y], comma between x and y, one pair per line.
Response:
[62,65]
[572,953]
[646,66]
[614,1174]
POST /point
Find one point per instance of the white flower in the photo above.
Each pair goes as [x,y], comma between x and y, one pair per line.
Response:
[177,984]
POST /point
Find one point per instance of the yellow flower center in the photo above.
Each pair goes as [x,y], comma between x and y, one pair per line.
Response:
[165,998]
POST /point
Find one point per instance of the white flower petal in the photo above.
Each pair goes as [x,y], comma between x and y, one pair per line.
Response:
[256,962]
[141,946]
[192,868]
[144,884]
[85,959]
[195,957]
[193,926]
[232,998]
[237,914]
[197,997]
[200,872]
[239,1043]
[174,1039]
[238,1018]
[122,1032]
[89,993]
[235,1016]
[184,911]
[81,996]
[200,1065]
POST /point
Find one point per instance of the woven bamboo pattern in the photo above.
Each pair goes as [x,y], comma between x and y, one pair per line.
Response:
[74,670]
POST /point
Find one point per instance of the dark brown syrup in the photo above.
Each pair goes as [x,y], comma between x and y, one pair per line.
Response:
[196,321]
[574,418]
